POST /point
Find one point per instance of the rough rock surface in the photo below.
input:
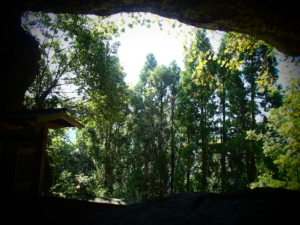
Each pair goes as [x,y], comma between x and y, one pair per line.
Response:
[277,24]
[90,198]
[19,62]
[260,206]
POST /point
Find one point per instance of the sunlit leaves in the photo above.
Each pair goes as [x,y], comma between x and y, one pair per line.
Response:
[282,142]
[237,47]
[200,57]
[76,50]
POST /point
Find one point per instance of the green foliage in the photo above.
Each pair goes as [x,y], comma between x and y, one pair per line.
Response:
[281,143]
[195,114]
[65,183]
[176,131]
[79,63]
[218,101]
[237,46]
[80,70]
[72,168]
[185,131]
[152,129]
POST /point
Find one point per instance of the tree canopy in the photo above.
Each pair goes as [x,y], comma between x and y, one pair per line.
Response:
[79,65]
[216,124]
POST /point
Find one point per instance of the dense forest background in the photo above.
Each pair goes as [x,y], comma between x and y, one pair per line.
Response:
[219,123]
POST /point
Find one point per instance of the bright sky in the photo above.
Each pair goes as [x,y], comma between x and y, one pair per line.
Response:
[139,41]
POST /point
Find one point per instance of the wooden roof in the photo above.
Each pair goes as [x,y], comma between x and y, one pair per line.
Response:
[56,118]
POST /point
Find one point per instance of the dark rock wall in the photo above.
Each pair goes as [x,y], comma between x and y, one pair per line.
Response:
[19,61]
[277,24]
[259,206]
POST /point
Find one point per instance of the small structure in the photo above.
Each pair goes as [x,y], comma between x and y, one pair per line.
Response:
[23,136]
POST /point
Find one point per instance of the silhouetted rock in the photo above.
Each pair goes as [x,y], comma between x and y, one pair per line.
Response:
[258,206]
[51,210]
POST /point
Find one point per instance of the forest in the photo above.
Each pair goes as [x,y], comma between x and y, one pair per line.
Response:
[219,123]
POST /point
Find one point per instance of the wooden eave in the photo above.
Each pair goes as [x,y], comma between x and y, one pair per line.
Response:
[56,118]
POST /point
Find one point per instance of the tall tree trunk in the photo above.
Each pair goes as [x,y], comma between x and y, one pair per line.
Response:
[204,148]
[172,157]
[188,172]
[224,140]
[251,155]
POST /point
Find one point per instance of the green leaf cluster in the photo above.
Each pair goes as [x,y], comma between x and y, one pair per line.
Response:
[281,143]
